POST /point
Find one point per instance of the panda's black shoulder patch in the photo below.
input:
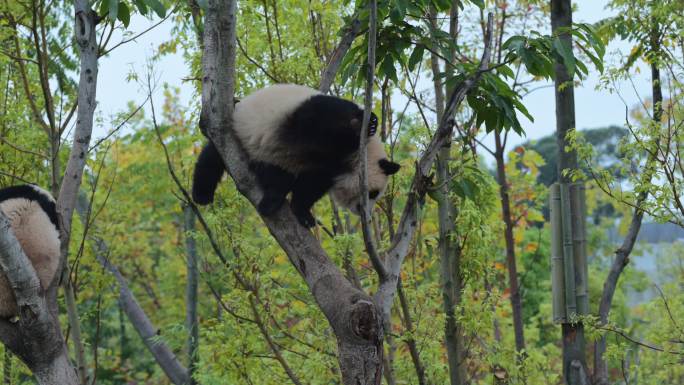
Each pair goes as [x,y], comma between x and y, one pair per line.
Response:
[28,192]
[323,113]
[323,129]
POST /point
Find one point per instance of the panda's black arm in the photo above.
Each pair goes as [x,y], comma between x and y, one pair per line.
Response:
[209,170]
[307,190]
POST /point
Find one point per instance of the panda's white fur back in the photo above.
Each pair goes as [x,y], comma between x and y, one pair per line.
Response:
[39,239]
[346,191]
[257,117]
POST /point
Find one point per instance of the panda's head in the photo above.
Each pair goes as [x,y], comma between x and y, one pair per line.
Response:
[346,191]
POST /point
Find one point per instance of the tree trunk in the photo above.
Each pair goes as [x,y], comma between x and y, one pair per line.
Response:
[192,320]
[516,303]
[59,371]
[449,251]
[351,313]
[622,254]
[574,355]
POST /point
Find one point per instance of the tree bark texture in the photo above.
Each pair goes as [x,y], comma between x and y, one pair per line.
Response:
[36,338]
[574,355]
[449,250]
[330,71]
[84,30]
[85,22]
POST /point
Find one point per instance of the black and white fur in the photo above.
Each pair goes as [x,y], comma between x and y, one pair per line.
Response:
[32,213]
[301,141]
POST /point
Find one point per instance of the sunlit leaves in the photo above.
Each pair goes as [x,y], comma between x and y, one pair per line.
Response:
[120,10]
[538,52]
[495,104]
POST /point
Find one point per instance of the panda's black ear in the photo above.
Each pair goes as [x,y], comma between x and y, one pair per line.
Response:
[388,167]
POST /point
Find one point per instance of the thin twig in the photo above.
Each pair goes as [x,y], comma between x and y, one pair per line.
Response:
[271,344]
[637,342]
[363,150]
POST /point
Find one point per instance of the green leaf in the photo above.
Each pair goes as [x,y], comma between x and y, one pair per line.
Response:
[442,5]
[506,71]
[104,8]
[388,69]
[565,51]
[142,7]
[581,68]
[598,63]
[416,57]
[401,7]
[479,3]
[514,43]
[157,7]
[124,14]
[113,9]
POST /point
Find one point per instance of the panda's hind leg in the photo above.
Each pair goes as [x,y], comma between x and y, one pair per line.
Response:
[308,189]
[275,183]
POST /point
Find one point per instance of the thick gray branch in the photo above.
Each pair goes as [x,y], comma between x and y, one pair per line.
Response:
[350,33]
[164,357]
[36,338]
[84,30]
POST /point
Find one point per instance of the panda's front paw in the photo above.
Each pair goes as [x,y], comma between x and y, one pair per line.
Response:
[305,218]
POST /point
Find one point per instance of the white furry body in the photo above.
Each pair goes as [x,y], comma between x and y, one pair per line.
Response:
[346,190]
[258,117]
[38,238]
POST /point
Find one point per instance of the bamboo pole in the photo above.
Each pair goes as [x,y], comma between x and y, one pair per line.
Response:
[568,253]
[557,271]
[579,240]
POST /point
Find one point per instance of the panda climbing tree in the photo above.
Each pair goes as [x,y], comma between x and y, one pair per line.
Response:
[301,141]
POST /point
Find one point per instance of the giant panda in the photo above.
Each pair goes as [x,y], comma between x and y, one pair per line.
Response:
[301,141]
[32,213]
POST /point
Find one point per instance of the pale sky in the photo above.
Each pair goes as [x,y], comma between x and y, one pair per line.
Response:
[594,108]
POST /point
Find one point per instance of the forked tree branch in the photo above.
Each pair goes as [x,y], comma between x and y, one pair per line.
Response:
[421,180]
[351,312]
[351,32]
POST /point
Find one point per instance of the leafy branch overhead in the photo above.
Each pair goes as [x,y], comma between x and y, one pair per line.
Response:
[121,10]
